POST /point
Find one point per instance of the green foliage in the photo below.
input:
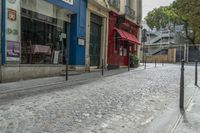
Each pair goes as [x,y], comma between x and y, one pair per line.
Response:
[185,12]
[162,16]
[134,60]
[190,12]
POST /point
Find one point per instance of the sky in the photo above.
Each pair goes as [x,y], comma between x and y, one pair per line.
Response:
[149,5]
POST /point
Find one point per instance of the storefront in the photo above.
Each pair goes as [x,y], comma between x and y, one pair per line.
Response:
[97,34]
[122,40]
[41,36]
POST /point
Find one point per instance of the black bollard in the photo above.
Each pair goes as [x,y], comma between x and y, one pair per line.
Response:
[66,75]
[66,70]
[196,72]
[102,69]
[128,63]
[182,86]
[155,63]
[145,64]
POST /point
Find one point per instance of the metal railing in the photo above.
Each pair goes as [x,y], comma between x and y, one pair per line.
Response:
[130,12]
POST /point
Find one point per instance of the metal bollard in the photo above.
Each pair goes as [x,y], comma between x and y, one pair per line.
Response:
[163,63]
[182,86]
[145,64]
[66,75]
[128,63]
[155,63]
[102,70]
[196,72]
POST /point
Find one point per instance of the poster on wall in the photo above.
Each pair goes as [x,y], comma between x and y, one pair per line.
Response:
[12,14]
[56,56]
[13,51]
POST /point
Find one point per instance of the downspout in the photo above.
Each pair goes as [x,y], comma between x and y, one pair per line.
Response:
[1,7]
[3,32]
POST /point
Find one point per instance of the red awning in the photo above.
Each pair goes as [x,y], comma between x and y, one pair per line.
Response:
[127,36]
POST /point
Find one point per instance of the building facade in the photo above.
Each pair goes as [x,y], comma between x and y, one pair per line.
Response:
[97,33]
[124,31]
[40,36]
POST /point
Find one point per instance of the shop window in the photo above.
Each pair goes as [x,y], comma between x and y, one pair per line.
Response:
[125,51]
[121,50]
[116,42]
[40,36]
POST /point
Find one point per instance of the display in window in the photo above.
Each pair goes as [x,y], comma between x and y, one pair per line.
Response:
[40,40]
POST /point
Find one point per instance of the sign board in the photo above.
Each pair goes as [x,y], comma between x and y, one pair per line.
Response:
[71,2]
[13,51]
[12,14]
[81,41]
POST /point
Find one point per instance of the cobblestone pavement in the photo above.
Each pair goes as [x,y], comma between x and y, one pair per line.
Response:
[124,103]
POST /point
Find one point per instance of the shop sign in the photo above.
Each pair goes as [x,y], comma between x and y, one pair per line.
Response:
[12,1]
[13,51]
[12,14]
[69,1]
[81,41]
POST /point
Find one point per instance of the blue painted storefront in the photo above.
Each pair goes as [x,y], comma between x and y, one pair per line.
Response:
[3,31]
[77,30]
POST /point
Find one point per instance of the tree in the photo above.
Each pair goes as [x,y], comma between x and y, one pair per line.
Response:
[185,12]
[162,16]
[189,10]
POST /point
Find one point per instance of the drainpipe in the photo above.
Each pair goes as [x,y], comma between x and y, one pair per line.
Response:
[1,43]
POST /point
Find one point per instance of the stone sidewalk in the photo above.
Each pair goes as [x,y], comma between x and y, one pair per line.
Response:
[73,79]
[190,119]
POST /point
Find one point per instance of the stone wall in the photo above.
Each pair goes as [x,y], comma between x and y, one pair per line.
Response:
[23,72]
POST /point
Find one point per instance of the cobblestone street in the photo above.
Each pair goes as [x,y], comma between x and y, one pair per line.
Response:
[125,103]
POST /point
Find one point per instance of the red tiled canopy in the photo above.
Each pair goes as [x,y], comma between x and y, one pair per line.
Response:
[127,36]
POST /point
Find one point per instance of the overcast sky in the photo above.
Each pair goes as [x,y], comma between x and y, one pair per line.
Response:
[149,5]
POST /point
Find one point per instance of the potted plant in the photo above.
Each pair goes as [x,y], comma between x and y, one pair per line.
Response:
[134,61]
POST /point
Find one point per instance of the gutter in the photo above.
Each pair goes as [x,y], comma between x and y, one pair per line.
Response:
[1,37]
[1,42]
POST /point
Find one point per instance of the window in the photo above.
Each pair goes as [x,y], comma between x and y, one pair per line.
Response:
[41,33]
[116,42]
[121,49]
[128,2]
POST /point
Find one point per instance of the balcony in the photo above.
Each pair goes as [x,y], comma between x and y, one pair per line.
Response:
[115,4]
[130,12]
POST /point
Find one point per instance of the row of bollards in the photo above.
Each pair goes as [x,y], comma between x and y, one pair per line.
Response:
[145,63]
[102,67]
[181,102]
